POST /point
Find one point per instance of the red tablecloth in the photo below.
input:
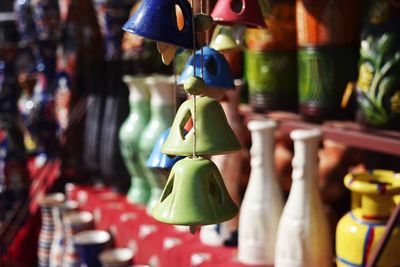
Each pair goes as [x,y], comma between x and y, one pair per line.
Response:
[153,242]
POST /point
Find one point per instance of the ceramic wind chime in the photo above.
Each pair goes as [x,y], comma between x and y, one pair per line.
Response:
[195,193]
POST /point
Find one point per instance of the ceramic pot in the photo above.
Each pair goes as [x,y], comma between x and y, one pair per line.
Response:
[75,222]
[271,79]
[323,74]
[46,15]
[303,223]
[117,257]
[90,244]
[58,246]
[129,137]
[25,22]
[263,202]
[162,114]
[46,235]
[329,22]
[377,89]
[360,231]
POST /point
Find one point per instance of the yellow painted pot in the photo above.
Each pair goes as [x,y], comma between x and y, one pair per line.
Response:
[374,195]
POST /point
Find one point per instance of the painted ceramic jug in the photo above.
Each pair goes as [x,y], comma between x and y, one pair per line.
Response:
[90,244]
[46,235]
[129,136]
[359,232]
[162,114]
[303,238]
[263,203]
[58,246]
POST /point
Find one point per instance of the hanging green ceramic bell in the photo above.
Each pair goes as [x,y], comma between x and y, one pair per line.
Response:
[194,195]
[216,136]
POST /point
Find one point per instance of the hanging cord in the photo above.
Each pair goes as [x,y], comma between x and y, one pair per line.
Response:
[194,74]
[175,86]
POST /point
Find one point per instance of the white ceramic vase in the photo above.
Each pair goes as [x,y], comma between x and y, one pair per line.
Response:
[263,202]
[303,234]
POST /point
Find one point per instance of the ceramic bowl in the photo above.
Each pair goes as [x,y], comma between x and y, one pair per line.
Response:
[116,257]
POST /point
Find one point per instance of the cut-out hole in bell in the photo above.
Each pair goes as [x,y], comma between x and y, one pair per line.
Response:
[180,20]
[195,195]
[237,6]
[211,66]
[243,12]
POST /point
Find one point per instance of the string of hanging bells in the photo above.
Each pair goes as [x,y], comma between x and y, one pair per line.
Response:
[195,193]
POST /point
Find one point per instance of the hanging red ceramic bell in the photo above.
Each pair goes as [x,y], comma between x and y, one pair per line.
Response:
[244,12]
[215,136]
[168,22]
[194,195]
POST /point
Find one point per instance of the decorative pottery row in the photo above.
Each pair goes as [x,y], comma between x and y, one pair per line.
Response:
[67,238]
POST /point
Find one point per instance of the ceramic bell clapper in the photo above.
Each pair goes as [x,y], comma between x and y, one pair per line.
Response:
[212,66]
[303,238]
[168,22]
[194,195]
[262,204]
[359,232]
[238,12]
[212,126]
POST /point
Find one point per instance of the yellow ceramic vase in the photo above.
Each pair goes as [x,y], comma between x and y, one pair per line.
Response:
[374,195]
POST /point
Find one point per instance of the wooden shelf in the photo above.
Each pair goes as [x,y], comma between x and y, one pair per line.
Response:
[346,132]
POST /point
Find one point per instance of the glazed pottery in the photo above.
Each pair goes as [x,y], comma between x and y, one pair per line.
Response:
[194,195]
[241,12]
[323,74]
[162,113]
[25,22]
[157,20]
[329,22]
[211,66]
[58,246]
[46,235]
[303,238]
[90,244]
[46,15]
[129,136]
[262,204]
[377,88]
[116,257]
[271,77]
[75,222]
[215,134]
[360,231]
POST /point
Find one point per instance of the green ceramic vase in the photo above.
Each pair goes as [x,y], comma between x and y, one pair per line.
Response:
[271,77]
[323,73]
[129,137]
[162,114]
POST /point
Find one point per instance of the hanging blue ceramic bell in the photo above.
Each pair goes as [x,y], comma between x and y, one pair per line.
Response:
[212,66]
[159,160]
[157,20]
[168,22]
